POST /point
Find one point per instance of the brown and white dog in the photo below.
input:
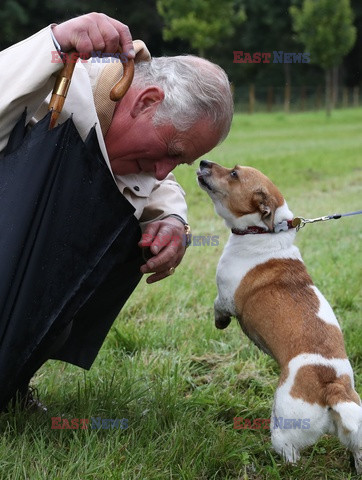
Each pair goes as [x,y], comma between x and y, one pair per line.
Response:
[262,281]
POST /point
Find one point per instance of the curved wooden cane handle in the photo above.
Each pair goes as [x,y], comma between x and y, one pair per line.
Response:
[64,78]
[120,88]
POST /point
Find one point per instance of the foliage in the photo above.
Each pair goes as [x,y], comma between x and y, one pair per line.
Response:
[352,65]
[21,18]
[268,28]
[202,24]
[273,20]
[217,27]
[326,29]
[12,14]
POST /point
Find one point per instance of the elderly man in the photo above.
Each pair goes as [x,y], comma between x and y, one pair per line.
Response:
[176,110]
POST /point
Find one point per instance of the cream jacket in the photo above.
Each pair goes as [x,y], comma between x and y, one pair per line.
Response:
[26,80]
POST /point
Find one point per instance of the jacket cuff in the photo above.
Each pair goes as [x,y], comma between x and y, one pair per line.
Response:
[174,215]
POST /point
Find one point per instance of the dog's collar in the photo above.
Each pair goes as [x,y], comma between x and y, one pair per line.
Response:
[283,226]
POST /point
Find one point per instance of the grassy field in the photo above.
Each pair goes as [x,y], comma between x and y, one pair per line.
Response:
[164,366]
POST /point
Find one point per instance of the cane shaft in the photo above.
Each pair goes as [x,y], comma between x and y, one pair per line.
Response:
[61,88]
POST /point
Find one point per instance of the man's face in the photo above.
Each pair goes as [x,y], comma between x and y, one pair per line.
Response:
[136,145]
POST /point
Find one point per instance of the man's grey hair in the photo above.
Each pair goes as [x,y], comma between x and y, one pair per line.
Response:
[194,89]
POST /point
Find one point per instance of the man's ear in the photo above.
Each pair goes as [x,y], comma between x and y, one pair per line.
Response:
[266,206]
[147,100]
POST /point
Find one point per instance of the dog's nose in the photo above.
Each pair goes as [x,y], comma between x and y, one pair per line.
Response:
[205,164]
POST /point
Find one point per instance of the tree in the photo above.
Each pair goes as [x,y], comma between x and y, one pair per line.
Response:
[22,18]
[326,29]
[269,28]
[203,24]
[353,61]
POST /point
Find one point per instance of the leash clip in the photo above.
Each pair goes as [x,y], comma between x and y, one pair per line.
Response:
[300,222]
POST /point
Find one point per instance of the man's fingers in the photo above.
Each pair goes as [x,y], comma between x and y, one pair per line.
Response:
[109,34]
[151,230]
[166,248]
[94,32]
[160,236]
[125,38]
[157,276]
[83,44]
[152,237]
[95,37]
[162,262]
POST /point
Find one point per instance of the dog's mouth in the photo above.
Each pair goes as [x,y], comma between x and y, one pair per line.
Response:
[201,179]
[203,183]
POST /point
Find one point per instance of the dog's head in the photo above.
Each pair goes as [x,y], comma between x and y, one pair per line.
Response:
[243,196]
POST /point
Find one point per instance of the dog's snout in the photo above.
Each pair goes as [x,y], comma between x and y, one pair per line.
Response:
[205,164]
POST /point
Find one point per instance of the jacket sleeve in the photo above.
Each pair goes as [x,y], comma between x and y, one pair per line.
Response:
[167,198]
[27,78]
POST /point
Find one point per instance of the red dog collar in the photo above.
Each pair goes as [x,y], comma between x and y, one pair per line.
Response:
[283,226]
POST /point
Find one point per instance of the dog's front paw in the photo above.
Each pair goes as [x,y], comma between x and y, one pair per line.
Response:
[222,322]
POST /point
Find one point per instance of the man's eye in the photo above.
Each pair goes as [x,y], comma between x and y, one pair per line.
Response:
[234,174]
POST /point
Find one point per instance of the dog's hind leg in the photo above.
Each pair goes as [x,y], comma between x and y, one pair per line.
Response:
[295,424]
[351,438]
[346,414]
[282,445]
[347,418]
[358,461]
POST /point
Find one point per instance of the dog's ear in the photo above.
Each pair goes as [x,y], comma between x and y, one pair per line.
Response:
[267,216]
[266,206]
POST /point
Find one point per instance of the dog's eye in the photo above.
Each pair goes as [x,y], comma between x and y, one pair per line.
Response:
[234,174]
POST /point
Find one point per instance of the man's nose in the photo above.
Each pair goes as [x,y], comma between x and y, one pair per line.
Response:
[163,168]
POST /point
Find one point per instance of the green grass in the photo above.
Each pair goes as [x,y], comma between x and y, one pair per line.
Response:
[166,368]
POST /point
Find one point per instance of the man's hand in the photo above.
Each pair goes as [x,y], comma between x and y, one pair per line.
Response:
[166,241]
[94,32]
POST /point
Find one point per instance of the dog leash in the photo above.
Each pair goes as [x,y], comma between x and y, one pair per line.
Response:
[300,222]
[297,223]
